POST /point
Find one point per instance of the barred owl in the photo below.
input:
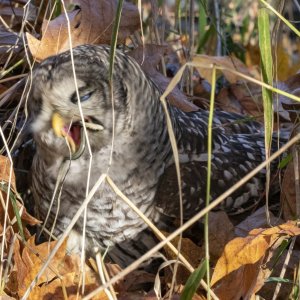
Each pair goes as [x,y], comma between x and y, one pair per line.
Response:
[139,160]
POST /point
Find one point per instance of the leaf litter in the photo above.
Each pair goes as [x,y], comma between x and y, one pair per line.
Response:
[240,260]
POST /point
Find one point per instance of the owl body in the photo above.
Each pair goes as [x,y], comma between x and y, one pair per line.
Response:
[132,145]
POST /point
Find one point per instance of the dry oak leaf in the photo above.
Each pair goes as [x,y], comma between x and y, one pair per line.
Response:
[239,284]
[236,98]
[55,36]
[7,175]
[9,43]
[221,231]
[29,261]
[63,273]
[149,56]
[91,22]
[202,64]
[6,297]
[288,194]
[70,282]
[6,172]
[250,249]
[257,219]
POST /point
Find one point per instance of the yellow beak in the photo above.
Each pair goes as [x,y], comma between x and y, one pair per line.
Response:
[58,126]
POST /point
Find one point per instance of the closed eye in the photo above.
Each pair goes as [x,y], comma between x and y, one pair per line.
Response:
[86,96]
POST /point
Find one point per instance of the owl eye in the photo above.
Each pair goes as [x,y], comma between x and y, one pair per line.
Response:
[86,97]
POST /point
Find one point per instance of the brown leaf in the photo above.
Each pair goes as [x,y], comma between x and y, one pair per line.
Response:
[55,37]
[190,251]
[31,260]
[256,220]
[247,280]
[221,231]
[287,63]
[6,297]
[238,284]
[149,56]
[249,250]
[90,23]
[288,191]
[71,282]
[241,98]
[26,217]
[203,62]
[20,268]
[288,108]
[9,42]
[136,280]
[267,290]
[5,168]
[101,15]
[63,271]
[9,9]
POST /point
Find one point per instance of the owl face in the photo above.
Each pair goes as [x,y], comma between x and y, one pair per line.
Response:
[60,105]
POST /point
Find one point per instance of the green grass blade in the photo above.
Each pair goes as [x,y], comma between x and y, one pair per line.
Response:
[278,280]
[193,282]
[202,25]
[280,251]
[267,72]
[285,161]
[283,19]
[13,200]
[57,9]
[114,38]
[267,76]
[208,179]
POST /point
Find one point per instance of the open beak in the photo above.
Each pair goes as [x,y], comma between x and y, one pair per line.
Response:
[73,132]
[61,129]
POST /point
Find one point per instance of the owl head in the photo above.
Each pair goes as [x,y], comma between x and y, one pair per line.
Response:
[70,90]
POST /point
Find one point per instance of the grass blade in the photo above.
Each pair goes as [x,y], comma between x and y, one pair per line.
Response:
[267,76]
[193,282]
[114,38]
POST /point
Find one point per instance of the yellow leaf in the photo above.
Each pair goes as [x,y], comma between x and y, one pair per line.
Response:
[249,250]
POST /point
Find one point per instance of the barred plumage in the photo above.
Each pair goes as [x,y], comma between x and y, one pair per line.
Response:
[142,160]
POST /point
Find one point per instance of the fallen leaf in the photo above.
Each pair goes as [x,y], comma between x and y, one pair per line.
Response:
[149,56]
[29,262]
[91,22]
[8,10]
[63,271]
[6,297]
[257,220]
[247,280]
[6,172]
[55,36]
[203,64]
[266,289]
[251,249]
[7,175]
[70,282]
[9,42]
[221,231]
[239,284]
[242,98]
[288,190]
[287,64]
[288,108]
